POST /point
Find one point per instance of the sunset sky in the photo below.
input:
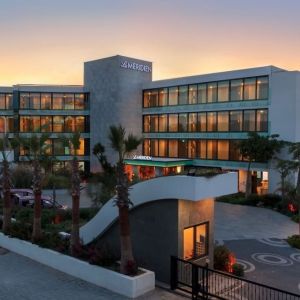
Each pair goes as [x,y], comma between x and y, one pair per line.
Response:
[47,41]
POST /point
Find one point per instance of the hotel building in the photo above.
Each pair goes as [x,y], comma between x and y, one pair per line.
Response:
[187,123]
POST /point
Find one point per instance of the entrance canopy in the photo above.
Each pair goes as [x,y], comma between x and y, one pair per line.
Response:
[158,162]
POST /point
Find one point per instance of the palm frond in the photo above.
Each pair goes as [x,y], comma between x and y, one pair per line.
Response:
[131,143]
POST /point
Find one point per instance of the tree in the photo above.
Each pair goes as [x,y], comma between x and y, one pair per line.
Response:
[258,148]
[123,146]
[36,149]
[295,151]
[74,145]
[6,147]
[284,168]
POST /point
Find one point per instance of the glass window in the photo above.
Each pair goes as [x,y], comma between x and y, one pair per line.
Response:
[173,123]
[146,123]
[173,148]
[223,91]
[58,124]
[192,122]
[79,124]
[249,88]
[182,148]
[195,241]
[146,102]
[24,124]
[81,150]
[212,150]
[9,101]
[192,148]
[193,94]
[150,98]
[262,87]
[69,101]
[183,95]
[79,101]
[146,147]
[223,121]
[182,124]
[70,124]
[154,147]
[163,123]
[10,124]
[223,150]
[211,92]
[45,101]
[202,149]
[48,147]
[2,101]
[234,150]
[236,90]
[202,93]
[153,123]
[163,97]
[24,101]
[163,148]
[262,120]
[236,120]
[36,124]
[46,124]
[211,121]
[57,102]
[173,96]
[2,124]
[249,120]
[202,122]
[59,147]
[35,101]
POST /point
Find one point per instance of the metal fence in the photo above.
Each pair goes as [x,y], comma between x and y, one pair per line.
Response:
[204,283]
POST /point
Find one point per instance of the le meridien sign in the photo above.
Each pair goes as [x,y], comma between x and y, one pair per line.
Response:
[135,66]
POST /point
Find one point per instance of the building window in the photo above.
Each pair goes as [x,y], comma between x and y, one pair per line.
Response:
[183,95]
[262,120]
[163,123]
[192,149]
[262,87]
[249,120]
[150,98]
[192,122]
[234,150]
[58,124]
[154,147]
[202,149]
[250,89]
[69,101]
[24,101]
[69,124]
[212,150]
[223,121]
[46,124]
[163,97]
[202,122]
[182,148]
[35,101]
[30,124]
[211,121]
[146,147]
[45,101]
[146,123]
[163,148]
[79,101]
[223,91]
[59,147]
[173,148]
[202,93]
[57,102]
[236,90]
[195,241]
[173,123]
[236,121]
[9,101]
[193,94]
[173,96]
[80,124]
[223,149]
[153,123]
[212,92]
[2,101]
[182,122]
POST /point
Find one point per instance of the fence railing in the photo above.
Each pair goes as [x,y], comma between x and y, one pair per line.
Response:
[204,283]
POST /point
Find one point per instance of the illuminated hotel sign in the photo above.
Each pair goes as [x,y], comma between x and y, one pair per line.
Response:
[135,66]
[142,157]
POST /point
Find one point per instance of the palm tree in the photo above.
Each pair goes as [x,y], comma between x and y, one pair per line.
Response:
[74,144]
[6,146]
[284,167]
[123,146]
[36,149]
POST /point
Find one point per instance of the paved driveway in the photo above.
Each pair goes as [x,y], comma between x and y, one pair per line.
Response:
[235,222]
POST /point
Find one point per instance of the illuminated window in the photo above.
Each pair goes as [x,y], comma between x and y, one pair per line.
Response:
[150,98]
[163,97]
[195,241]
[173,148]
[9,101]
[153,123]
[35,101]
[45,101]
[192,122]
[146,147]
[46,124]
[236,120]
[211,121]
[236,90]
[69,101]
[30,124]
[223,91]
[173,122]
[2,101]
[223,150]
[163,149]
[57,102]
[79,124]
[211,92]
[262,87]
[250,89]
[223,121]
[202,149]
[24,101]
[58,124]
[212,151]
[79,101]
[146,123]
[193,94]
[173,96]
[202,122]
[183,95]
[262,120]
[249,120]
[154,147]
[163,123]
[192,149]
[70,124]
[202,93]
[182,122]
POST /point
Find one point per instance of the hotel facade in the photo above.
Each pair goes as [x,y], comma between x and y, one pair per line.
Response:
[187,123]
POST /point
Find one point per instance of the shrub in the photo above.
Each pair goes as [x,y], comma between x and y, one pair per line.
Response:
[253,200]
[21,230]
[270,200]
[238,270]
[131,268]
[221,257]
[101,256]
[294,241]
[295,218]
[22,176]
[238,198]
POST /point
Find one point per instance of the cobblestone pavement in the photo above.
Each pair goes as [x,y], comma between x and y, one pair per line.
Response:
[24,279]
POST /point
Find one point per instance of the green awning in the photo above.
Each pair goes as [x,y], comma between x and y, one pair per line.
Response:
[164,163]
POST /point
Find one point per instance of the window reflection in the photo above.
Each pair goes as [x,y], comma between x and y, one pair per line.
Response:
[262,120]
[57,101]
[249,120]
[183,95]
[212,92]
[236,90]
[223,150]
[249,88]
[163,123]
[173,122]
[182,123]
[192,122]
[236,121]
[223,91]
[163,97]
[262,87]
[211,121]
[45,101]
[223,121]
[202,93]
[192,94]
[173,96]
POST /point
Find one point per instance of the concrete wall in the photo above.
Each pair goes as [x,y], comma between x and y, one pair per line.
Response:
[154,236]
[115,98]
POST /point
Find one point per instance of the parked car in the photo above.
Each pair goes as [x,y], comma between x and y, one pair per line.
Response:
[25,197]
